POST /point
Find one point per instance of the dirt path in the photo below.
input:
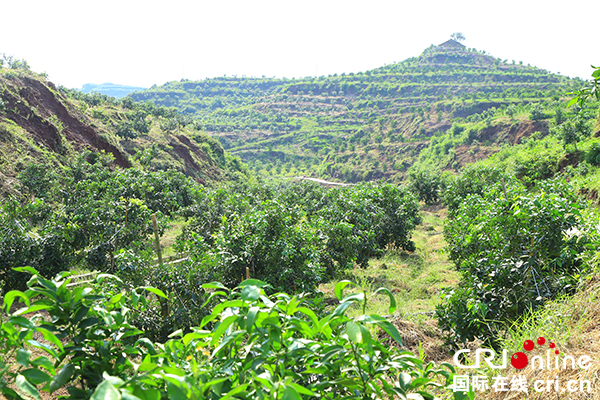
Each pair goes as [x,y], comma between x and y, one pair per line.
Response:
[320,181]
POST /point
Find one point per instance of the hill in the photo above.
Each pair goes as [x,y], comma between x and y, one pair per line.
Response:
[372,124]
[43,124]
[110,89]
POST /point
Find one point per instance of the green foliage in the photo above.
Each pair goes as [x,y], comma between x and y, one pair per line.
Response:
[297,235]
[537,112]
[373,217]
[515,251]
[10,62]
[428,184]
[592,155]
[591,90]
[473,180]
[573,130]
[275,241]
[250,346]
[84,215]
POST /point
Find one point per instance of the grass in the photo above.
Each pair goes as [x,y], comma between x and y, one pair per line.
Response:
[415,279]
[170,237]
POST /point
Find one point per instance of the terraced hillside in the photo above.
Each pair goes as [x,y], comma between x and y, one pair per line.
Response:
[367,125]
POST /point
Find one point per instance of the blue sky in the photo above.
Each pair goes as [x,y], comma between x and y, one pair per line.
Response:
[142,43]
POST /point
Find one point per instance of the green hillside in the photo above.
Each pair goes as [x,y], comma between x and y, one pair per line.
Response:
[372,124]
[46,125]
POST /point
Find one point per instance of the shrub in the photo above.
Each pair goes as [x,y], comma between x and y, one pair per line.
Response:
[592,155]
[101,212]
[537,112]
[427,184]
[473,180]
[360,221]
[515,252]
[275,242]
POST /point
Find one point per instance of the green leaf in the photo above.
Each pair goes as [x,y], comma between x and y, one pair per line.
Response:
[43,361]
[354,332]
[341,309]
[404,379]
[51,337]
[101,277]
[23,357]
[31,309]
[214,285]
[213,384]
[339,288]
[233,392]
[26,387]
[178,332]
[9,298]
[290,393]
[31,270]
[216,312]
[384,324]
[302,389]
[464,395]
[146,394]
[125,395]
[228,339]
[36,376]
[222,328]
[251,317]
[253,282]
[390,295]
[310,314]
[106,391]
[572,101]
[199,334]
[251,293]
[213,294]
[10,394]
[156,291]
[63,376]
[357,297]
[115,380]
[22,322]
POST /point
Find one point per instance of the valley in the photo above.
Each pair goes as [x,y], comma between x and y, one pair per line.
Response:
[322,226]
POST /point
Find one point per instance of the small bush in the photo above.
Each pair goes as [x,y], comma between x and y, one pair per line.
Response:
[592,155]
[427,184]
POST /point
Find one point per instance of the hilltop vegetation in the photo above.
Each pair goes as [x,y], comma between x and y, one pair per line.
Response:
[373,124]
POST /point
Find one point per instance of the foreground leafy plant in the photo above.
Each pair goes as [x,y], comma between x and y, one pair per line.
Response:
[250,346]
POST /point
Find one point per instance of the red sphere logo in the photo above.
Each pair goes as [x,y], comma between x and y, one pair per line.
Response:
[519,360]
[541,341]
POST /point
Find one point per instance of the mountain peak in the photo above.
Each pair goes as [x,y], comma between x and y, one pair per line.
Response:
[452,44]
